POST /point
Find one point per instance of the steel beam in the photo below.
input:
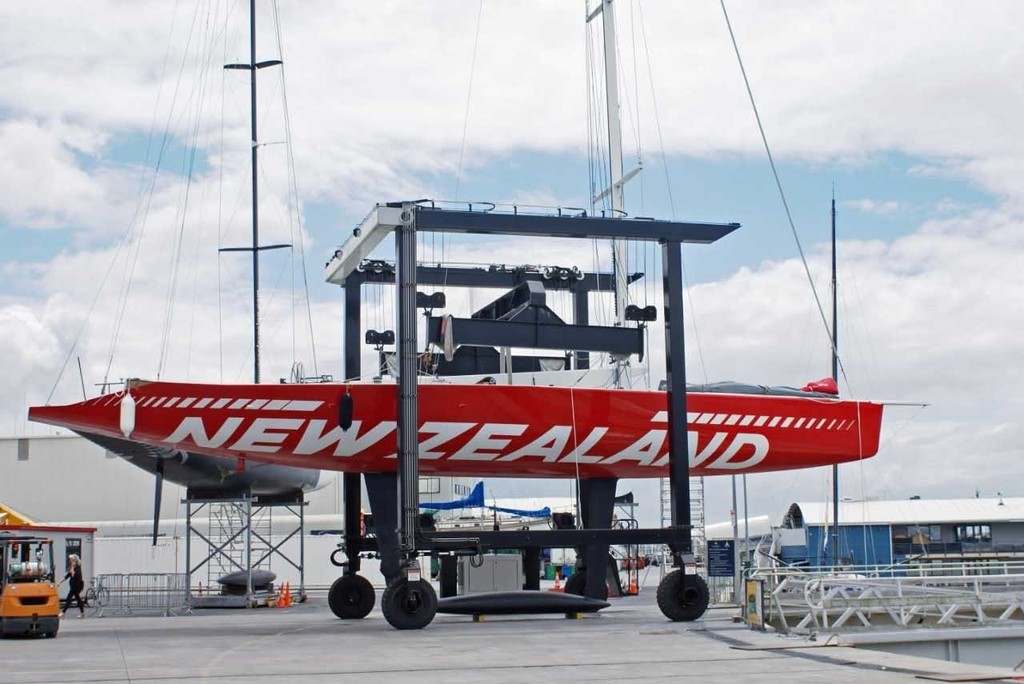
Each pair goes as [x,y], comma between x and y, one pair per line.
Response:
[471,541]
[499,277]
[489,333]
[589,227]
[408,390]
[352,485]
[675,379]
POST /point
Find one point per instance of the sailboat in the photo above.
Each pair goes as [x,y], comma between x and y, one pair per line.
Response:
[482,430]
[593,434]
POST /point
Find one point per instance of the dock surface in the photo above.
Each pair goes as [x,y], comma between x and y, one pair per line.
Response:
[630,641]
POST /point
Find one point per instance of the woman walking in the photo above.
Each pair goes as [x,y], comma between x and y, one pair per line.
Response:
[76,585]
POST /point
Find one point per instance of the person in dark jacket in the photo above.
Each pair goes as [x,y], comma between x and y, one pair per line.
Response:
[76,585]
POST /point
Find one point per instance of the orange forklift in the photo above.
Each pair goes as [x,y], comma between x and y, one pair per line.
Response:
[29,605]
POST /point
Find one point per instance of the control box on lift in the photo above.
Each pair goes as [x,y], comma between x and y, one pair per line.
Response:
[491,572]
[29,604]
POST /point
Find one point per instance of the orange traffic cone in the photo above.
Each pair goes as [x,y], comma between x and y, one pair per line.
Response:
[633,589]
[287,594]
[558,582]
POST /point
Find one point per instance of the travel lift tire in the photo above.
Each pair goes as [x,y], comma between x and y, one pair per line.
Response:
[682,597]
[408,605]
[351,597]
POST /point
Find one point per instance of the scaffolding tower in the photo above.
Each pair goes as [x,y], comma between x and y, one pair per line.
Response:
[697,520]
[239,538]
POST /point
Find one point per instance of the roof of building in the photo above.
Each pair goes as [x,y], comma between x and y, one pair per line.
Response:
[756,525]
[11,529]
[907,512]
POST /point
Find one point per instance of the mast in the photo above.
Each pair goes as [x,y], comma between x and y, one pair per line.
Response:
[255,198]
[835,377]
[611,88]
[253,66]
[616,177]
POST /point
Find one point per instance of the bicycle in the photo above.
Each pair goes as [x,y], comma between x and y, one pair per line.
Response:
[96,596]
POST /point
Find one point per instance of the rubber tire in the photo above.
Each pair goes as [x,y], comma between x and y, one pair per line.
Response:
[683,598]
[351,597]
[408,608]
[577,584]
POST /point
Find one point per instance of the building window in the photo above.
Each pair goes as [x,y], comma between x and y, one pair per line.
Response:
[430,485]
[22,449]
[925,534]
[974,534]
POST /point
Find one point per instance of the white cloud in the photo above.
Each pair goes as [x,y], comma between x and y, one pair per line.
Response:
[870,206]
[378,90]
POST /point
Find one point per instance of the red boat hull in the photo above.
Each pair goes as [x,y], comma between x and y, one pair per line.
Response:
[485,430]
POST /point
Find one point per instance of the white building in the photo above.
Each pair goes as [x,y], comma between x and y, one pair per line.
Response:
[66,480]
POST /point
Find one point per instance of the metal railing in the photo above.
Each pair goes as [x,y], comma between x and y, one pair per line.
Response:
[129,594]
[809,600]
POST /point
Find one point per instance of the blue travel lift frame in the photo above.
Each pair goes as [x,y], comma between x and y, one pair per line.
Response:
[401,567]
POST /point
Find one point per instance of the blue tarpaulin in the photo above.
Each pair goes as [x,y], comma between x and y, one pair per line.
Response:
[476,500]
[542,513]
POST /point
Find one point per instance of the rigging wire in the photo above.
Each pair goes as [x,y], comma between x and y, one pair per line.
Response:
[145,202]
[782,194]
[599,165]
[294,193]
[671,199]
[125,243]
[469,98]
[179,238]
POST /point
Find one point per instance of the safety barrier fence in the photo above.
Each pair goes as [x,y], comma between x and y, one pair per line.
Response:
[129,594]
[900,597]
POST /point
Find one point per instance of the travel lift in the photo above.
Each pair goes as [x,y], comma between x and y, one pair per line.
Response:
[524,301]
[409,602]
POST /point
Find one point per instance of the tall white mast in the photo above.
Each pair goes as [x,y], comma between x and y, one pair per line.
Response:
[617,180]
[611,88]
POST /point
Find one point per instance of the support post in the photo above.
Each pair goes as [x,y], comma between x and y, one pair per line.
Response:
[382,489]
[248,546]
[531,568]
[449,576]
[302,547]
[675,378]
[188,546]
[408,418]
[352,489]
[581,316]
[597,504]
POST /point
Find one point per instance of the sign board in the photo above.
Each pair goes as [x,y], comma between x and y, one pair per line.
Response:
[753,604]
[721,558]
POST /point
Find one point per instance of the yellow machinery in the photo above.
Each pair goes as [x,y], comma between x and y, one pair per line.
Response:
[9,516]
[29,604]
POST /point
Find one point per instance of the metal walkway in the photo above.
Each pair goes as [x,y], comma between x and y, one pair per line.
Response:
[926,596]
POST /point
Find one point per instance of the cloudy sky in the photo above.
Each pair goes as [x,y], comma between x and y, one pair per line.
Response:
[124,167]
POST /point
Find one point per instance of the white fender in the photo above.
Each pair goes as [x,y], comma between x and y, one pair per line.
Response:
[127,414]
